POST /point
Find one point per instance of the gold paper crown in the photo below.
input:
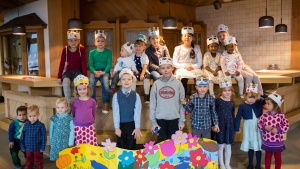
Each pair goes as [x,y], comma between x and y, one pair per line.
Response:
[81,79]
[99,33]
[73,34]
[251,88]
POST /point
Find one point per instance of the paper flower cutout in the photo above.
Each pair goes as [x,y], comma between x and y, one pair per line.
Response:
[140,157]
[179,137]
[166,165]
[192,141]
[126,158]
[108,145]
[150,147]
[198,158]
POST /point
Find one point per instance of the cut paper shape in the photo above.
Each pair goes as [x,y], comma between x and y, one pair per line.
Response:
[182,151]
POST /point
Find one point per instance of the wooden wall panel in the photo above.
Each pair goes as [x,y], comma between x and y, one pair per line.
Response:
[295,35]
[110,10]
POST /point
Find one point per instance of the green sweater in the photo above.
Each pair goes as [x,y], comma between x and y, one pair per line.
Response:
[100,60]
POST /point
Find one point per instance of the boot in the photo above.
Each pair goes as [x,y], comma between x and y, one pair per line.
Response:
[146,98]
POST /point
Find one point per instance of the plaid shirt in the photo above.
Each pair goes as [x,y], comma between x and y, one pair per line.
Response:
[203,111]
[33,137]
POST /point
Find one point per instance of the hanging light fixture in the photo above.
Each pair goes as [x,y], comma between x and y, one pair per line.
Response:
[74,23]
[281,28]
[266,21]
[217,4]
[18,29]
[169,22]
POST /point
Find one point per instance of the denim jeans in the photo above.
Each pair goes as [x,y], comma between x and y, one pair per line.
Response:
[155,75]
[115,80]
[104,79]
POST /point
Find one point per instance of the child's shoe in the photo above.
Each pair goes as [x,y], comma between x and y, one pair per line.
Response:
[112,90]
[227,166]
[222,167]
[105,108]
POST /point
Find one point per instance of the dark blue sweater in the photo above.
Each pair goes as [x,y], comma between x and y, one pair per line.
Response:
[127,105]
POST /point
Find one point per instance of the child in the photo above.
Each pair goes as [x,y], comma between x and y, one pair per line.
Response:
[231,63]
[84,112]
[212,64]
[100,60]
[33,139]
[61,129]
[273,125]
[155,51]
[250,111]
[187,58]
[125,61]
[141,61]
[202,107]
[166,112]
[14,134]
[246,71]
[225,108]
[72,63]
[127,112]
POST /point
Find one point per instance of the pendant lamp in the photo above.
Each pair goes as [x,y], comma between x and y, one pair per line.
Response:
[74,23]
[266,21]
[169,22]
[217,4]
[281,28]
[18,29]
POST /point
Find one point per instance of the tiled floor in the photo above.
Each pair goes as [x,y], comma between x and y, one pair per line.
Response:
[290,157]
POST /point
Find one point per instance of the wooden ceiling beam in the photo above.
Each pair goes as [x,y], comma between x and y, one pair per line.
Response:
[8,4]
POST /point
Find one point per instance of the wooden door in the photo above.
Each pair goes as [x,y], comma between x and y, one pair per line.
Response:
[172,39]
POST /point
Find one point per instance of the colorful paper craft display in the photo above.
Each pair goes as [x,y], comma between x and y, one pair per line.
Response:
[183,151]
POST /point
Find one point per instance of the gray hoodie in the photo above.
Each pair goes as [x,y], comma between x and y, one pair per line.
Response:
[165,100]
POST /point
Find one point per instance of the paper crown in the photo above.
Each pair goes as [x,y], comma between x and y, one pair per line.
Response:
[201,81]
[187,29]
[153,31]
[128,47]
[165,60]
[142,37]
[100,33]
[276,97]
[229,40]
[225,82]
[222,27]
[73,34]
[212,39]
[81,79]
[251,88]
[125,71]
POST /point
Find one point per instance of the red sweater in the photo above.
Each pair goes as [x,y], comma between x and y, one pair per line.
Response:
[75,61]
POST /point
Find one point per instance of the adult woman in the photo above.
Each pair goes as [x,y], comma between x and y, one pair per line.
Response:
[187,58]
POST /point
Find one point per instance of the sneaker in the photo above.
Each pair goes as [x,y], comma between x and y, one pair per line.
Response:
[227,166]
[105,108]
[112,90]
[222,167]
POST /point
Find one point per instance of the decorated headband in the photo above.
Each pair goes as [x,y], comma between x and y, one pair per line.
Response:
[276,98]
[225,82]
[81,80]
[187,29]
[73,34]
[252,88]
[165,60]
[230,40]
[201,81]
[222,27]
[212,39]
[142,37]
[153,31]
[100,33]
[128,47]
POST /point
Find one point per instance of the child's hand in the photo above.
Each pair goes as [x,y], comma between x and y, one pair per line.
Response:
[237,132]
[215,73]
[274,130]
[181,126]
[268,128]
[58,81]
[142,76]
[237,73]
[118,132]
[136,133]
[227,73]
[23,150]
[183,101]
[11,144]
[136,72]
[216,129]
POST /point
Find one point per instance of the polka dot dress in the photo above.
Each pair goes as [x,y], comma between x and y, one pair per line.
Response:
[139,67]
[85,135]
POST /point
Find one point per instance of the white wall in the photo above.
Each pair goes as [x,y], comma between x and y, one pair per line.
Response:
[39,7]
[259,47]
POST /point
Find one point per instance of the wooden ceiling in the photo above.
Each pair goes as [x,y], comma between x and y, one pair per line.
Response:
[196,3]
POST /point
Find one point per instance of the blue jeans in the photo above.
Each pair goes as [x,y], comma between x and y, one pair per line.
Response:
[104,84]
[155,75]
